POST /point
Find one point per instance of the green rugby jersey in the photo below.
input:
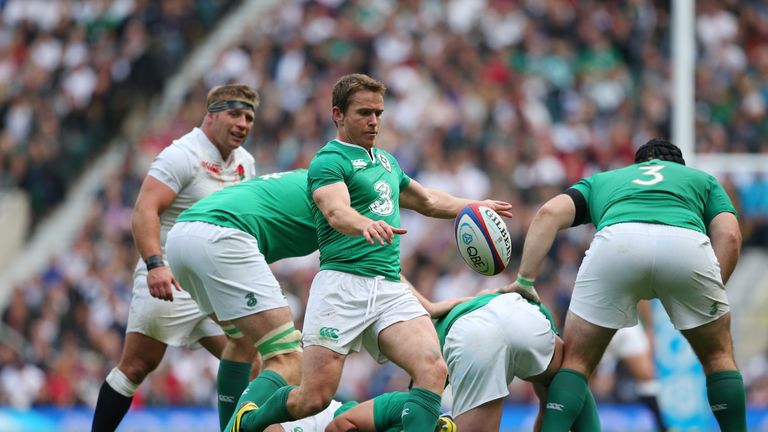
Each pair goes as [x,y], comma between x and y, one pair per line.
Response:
[374,181]
[656,192]
[274,208]
[444,324]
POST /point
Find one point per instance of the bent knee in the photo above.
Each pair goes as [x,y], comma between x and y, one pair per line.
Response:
[136,370]
[431,370]
[312,404]
[718,361]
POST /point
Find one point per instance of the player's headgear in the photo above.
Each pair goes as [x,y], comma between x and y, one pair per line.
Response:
[232,96]
[661,149]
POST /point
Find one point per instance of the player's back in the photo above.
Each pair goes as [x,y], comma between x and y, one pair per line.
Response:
[274,208]
[657,192]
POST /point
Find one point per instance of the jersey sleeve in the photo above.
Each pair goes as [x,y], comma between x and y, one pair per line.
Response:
[173,167]
[325,169]
[717,202]
[582,188]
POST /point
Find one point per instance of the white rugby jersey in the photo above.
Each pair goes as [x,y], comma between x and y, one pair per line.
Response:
[192,166]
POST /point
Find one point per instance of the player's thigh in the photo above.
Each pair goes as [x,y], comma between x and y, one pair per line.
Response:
[412,345]
[585,344]
[323,369]
[395,304]
[264,325]
[713,344]
[483,418]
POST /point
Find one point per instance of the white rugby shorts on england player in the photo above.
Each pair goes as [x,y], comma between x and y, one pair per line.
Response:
[488,347]
[630,262]
[223,270]
[346,312]
[176,323]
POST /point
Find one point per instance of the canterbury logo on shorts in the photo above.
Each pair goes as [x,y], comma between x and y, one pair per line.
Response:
[329,333]
[555,406]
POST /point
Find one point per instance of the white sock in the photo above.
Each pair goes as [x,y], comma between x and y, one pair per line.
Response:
[120,383]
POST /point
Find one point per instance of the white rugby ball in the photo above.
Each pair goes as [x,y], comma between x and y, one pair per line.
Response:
[483,239]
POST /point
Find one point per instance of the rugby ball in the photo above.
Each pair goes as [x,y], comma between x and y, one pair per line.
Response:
[483,239]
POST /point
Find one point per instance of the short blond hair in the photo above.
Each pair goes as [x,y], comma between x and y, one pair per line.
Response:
[233,92]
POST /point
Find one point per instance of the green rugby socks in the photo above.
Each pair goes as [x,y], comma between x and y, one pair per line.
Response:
[231,380]
[565,400]
[588,419]
[274,410]
[727,398]
[421,410]
[262,387]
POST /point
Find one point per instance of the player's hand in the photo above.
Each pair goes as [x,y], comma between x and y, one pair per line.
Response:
[161,281]
[528,293]
[382,232]
[501,207]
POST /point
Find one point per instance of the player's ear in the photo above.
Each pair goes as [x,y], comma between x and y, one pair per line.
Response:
[338,116]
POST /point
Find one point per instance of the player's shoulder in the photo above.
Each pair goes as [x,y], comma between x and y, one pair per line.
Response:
[331,153]
[189,144]
[334,147]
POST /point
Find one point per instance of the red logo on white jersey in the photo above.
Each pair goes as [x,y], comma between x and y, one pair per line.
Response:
[211,167]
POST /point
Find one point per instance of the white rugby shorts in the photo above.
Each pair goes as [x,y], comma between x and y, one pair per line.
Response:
[223,270]
[177,323]
[346,312]
[488,347]
[630,262]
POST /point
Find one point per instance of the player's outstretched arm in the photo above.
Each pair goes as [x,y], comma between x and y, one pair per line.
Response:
[435,309]
[334,202]
[439,204]
[154,197]
[556,214]
[726,241]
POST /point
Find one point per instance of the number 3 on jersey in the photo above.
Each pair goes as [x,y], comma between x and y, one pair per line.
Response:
[653,171]
[383,205]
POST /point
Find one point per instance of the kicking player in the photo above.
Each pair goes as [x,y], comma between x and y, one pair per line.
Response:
[357,191]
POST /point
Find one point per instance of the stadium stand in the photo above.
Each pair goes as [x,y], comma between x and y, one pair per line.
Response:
[500,98]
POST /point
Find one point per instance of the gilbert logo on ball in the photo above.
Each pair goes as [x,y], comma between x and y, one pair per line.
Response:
[483,239]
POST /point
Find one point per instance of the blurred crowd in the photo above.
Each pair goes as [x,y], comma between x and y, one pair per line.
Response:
[70,70]
[510,99]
